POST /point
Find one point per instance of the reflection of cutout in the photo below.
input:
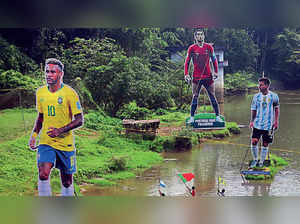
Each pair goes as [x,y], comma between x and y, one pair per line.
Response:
[221,183]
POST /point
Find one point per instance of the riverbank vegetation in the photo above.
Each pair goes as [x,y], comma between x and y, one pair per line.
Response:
[239,82]
[104,153]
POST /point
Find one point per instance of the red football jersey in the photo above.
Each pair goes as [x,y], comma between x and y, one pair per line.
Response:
[200,57]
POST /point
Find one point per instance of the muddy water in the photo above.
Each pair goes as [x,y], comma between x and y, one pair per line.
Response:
[212,159]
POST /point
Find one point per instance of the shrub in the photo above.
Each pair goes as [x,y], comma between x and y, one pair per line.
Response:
[169,143]
[221,133]
[133,111]
[160,111]
[12,58]
[233,127]
[117,163]
[13,79]
[98,120]
[157,144]
[238,81]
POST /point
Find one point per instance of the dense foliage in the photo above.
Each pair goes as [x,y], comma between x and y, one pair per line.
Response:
[238,81]
[119,66]
[286,57]
[13,79]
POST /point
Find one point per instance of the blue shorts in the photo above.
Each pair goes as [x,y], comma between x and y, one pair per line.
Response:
[63,160]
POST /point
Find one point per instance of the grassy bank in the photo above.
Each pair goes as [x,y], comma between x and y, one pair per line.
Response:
[104,154]
[15,123]
[175,122]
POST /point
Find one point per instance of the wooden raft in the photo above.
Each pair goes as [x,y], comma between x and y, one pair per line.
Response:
[141,126]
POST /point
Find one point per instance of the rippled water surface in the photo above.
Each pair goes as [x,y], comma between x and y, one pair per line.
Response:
[210,160]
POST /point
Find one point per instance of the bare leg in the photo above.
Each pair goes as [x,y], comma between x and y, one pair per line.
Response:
[44,187]
[67,188]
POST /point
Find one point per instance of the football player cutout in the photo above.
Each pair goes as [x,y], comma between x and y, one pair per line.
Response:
[264,119]
[59,112]
[202,54]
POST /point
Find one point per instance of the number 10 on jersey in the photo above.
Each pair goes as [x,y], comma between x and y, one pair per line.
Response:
[51,110]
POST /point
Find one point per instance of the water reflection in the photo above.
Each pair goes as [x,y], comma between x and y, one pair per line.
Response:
[210,160]
[258,188]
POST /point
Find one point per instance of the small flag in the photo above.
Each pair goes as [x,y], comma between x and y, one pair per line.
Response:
[185,177]
[162,184]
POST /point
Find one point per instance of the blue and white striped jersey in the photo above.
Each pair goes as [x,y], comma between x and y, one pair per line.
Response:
[264,106]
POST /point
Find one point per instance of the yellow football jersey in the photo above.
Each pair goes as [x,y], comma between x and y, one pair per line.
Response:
[58,109]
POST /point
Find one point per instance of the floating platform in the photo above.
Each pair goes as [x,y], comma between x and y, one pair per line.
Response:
[206,121]
[257,173]
[268,171]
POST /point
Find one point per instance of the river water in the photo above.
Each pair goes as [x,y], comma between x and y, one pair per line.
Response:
[214,159]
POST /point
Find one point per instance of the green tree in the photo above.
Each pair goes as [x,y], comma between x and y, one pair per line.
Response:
[11,58]
[286,57]
[49,43]
[239,47]
[113,78]
[11,79]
